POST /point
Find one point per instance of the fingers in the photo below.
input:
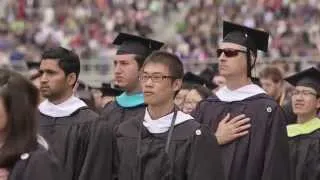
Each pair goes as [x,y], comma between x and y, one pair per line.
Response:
[235,136]
[242,128]
[225,119]
[237,118]
[242,122]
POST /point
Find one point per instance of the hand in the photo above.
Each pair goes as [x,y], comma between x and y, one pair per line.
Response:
[229,130]
[4,174]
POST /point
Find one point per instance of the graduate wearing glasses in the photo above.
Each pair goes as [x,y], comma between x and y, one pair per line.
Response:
[304,135]
[254,142]
[164,143]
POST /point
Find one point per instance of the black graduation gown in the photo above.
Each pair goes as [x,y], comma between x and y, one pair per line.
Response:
[81,142]
[190,157]
[115,114]
[40,165]
[263,153]
[305,156]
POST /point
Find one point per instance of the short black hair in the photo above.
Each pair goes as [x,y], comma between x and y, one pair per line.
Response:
[20,99]
[68,61]
[172,61]
[204,92]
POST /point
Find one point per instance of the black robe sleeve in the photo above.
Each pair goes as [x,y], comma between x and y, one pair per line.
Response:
[205,162]
[41,165]
[98,159]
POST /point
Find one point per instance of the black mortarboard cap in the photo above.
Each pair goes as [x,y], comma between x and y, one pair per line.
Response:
[131,44]
[308,78]
[253,39]
[33,65]
[108,90]
[191,78]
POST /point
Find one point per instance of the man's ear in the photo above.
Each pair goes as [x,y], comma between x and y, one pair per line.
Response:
[71,79]
[177,84]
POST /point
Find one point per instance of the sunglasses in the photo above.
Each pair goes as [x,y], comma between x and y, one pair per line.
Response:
[229,52]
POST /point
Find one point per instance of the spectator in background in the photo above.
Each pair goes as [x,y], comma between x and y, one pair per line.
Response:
[181,95]
[272,82]
[194,96]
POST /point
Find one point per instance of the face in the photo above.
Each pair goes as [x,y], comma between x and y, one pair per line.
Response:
[305,101]
[272,88]
[3,115]
[180,98]
[53,81]
[236,63]
[126,71]
[219,80]
[191,101]
[157,84]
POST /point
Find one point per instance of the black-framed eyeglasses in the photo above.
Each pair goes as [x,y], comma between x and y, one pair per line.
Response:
[229,52]
[304,93]
[154,77]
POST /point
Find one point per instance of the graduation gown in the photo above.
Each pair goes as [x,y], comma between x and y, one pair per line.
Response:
[193,154]
[115,114]
[305,152]
[81,142]
[263,153]
[37,165]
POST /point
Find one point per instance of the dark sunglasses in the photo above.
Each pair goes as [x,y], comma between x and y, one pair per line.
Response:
[229,52]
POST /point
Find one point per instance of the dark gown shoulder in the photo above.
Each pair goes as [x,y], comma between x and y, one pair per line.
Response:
[305,156]
[79,116]
[114,114]
[72,139]
[37,165]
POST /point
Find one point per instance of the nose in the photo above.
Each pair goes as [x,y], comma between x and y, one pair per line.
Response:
[117,69]
[222,58]
[43,78]
[148,82]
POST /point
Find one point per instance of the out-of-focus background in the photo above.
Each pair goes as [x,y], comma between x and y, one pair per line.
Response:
[190,28]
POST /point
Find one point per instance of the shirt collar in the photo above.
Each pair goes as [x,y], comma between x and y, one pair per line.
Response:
[163,124]
[63,109]
[227,95]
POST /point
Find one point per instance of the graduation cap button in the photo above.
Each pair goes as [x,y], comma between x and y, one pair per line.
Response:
[198,132]
[24,156]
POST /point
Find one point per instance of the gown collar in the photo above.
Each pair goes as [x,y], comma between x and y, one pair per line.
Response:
[304,128]
[63,109]
[227,95]
[163,124]
[126,101]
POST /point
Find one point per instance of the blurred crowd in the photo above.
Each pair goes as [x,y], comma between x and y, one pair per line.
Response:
[27,27]
[294,26]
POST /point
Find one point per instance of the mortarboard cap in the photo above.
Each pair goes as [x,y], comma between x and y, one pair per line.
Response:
[131,44]
[251,38]
[108,90]
[308,78]
[33,65]
[190,78]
